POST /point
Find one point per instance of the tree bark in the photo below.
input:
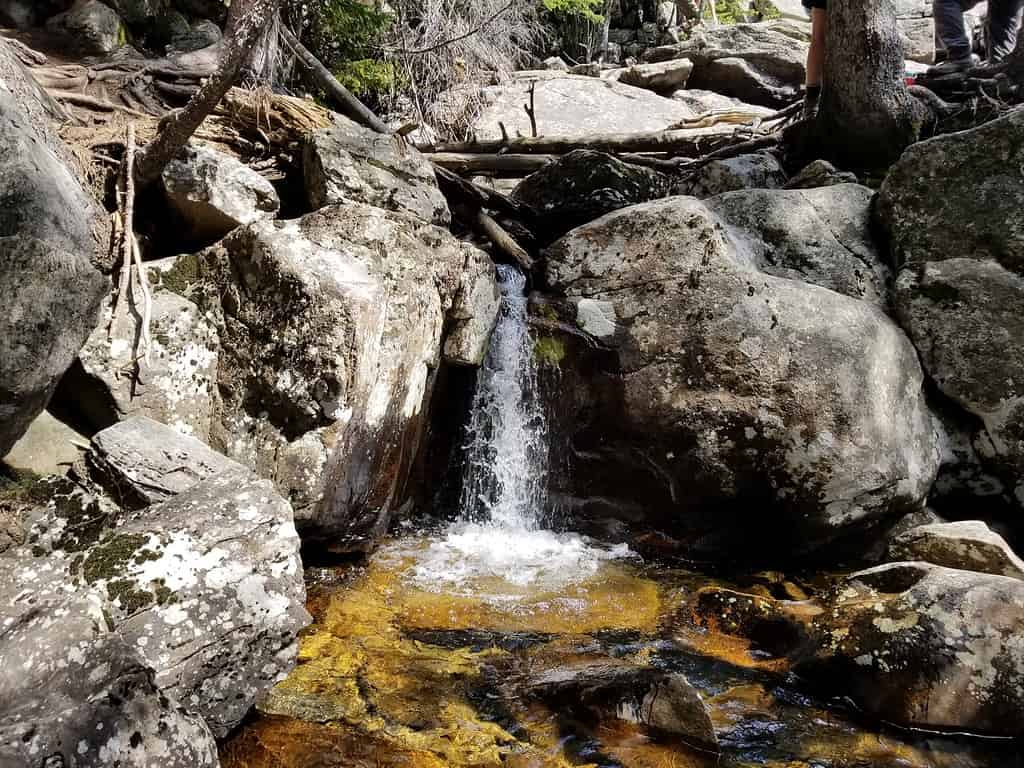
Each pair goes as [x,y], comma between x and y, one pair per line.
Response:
[866,116]
[246,20]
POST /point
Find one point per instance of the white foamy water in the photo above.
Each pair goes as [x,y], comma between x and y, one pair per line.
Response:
[498,548]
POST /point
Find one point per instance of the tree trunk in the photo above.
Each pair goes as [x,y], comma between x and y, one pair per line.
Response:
[1016,68]
[866,116]
[246,20]
[261,62]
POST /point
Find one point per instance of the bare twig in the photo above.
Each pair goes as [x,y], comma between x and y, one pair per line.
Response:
[531,110]
[147,300]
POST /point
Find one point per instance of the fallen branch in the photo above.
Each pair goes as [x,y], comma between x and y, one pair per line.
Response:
[123,223]
[482,223]
[743,148]
[486,165]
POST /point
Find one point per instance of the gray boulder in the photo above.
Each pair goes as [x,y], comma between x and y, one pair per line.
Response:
[821,236]
[664,77]
[724,406]
[50,230]
[820,173]
[755,171]
[347,162]
[138,14]
[925,646]
[474,311]
[74,693]
[201,34]
[584,185]
[176,387]
[89,27]
[701,101]
[969,545]
[214,193]
[759,63]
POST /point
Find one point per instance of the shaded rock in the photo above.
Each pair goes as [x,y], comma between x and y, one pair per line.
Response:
[969,545]
[820,173]
[662,77]
[332,327]
[144,462]
[925,646]
[74,693]
[201,34]
[965,478]
[347,162]
[756,171]
[176,387]
[821,236]
[475,311]
[572,105]
[138,14]
[18,14]
[759,63]
[214,193]
[737,407]
[90,27]
[584,185]
[659,700]
[48,447]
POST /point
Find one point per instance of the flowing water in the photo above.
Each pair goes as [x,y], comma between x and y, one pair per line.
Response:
[428,656]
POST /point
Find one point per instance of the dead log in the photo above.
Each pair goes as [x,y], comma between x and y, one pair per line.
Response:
[350,105]
[491,165]
[484,224]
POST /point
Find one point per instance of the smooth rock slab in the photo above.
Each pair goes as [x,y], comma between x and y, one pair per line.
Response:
[969,545]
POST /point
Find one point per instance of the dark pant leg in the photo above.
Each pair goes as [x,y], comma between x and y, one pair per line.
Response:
[949,21]
[1004,18]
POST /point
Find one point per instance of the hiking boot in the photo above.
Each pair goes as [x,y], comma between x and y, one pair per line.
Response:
[953,66]
[811,99]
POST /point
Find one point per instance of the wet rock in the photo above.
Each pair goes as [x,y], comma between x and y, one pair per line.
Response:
[144,462]
[659,700]
[74,693]
[90,27]
[820,173]
[571,105]
[584,185]
[756,171]
[926,646]
[214,193]
[738,408]
[969,545]
[206,587]
[332,328]
[176,387]
[50,230]
[347,162]
[821,236]
[662,77]
[475,311]
[758,63]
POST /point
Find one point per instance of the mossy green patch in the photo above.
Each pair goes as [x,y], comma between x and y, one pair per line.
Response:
[549,351]
[109,559]
[130,597]
[164,594]
[183,276]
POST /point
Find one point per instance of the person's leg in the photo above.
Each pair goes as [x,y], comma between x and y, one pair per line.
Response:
[816,53]
[949,23]
[1004,19]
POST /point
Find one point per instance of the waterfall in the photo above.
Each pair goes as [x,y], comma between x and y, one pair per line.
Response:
[505,476]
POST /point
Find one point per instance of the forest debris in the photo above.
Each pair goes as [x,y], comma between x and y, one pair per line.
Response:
[486,165]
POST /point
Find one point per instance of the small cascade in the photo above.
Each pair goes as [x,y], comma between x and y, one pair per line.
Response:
[499,547]
[505,474]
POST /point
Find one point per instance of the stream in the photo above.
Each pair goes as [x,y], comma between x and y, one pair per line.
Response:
[441,648]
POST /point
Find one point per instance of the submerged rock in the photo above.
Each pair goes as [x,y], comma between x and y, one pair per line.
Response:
[969,545]
[214,193]
[347,162]
[724,406]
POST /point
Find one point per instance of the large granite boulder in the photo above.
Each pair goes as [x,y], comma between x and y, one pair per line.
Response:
[731,409]
[925,646]
[759,170]
[951,207]
[89,27]
[759,63]
[347,162]
[213,193]
[50,232]
[331,328]
[584,185]
[821,236]
[205,586]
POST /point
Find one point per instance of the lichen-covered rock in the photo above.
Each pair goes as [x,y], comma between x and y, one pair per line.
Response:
[206,587]
[74,693]
[584,185]
[201,34]
[759,63]
[144,462]
[49,235]
[724,406]
[820,173]
[347,162]
[213,193]
[176,387]
[755,171]
[331,330]
[89,27]
[821,236]
[474,311]
[926,646]
[969,545]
